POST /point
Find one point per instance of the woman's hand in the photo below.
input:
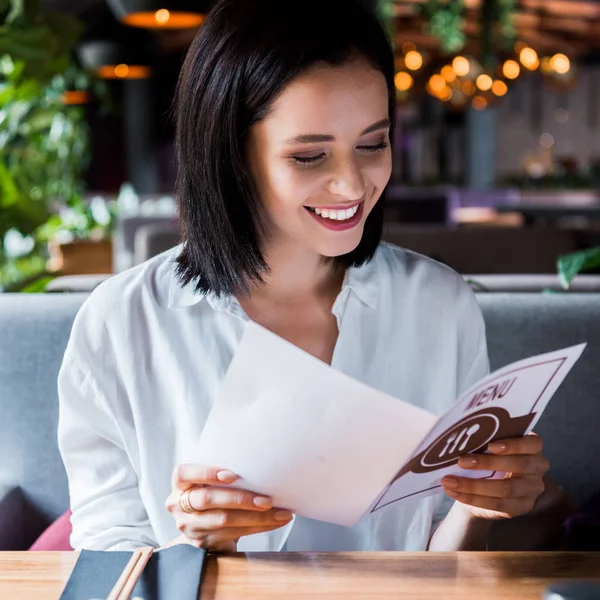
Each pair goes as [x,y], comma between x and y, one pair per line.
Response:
[221,515]
[524,464]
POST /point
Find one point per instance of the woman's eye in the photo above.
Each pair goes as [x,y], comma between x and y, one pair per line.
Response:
[307,160]
[375,148]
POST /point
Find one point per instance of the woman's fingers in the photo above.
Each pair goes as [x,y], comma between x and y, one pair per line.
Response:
[521,464]
[511,487]
[202,499]
[207,498]
[211,520]
[528,444]
[187,476]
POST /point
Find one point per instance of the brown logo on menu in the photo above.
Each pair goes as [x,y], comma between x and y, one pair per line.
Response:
[470,434]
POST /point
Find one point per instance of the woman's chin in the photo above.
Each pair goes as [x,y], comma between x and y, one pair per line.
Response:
[338,247]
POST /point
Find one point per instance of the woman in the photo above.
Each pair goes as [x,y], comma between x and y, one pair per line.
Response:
[284,121]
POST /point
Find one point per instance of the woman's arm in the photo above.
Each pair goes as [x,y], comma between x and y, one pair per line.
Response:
[108,513]
[459,531]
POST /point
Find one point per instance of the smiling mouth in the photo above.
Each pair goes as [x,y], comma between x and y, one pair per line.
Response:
[335,214]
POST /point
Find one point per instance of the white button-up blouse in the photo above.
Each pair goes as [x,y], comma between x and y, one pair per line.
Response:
[143,366]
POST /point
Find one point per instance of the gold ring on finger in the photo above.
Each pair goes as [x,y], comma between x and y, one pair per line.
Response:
[184,502]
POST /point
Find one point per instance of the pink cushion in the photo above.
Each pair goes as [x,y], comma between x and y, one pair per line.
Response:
[56,536]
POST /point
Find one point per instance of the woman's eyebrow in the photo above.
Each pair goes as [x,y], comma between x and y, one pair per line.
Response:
[312,138]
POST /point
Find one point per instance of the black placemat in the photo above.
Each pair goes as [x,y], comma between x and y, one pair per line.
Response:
[171,574]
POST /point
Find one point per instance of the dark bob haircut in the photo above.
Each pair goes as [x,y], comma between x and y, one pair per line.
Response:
[242,58]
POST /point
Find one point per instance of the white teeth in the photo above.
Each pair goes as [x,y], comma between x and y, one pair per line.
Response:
[337,215]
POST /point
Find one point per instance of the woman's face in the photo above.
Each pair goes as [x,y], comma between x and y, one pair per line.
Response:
[321,158]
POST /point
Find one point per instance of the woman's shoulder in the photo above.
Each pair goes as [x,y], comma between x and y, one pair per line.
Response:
[132,293]
[412,271]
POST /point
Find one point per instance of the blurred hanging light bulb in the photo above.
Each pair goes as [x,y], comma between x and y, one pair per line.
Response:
[437,84]
[560,63]
[413,60]
[484,82]
[461,66]
[499,88]
[448,73]
[511,69]
[403,81]
[529,58]
[162,16]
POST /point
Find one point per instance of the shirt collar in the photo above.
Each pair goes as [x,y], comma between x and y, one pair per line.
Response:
[362,281]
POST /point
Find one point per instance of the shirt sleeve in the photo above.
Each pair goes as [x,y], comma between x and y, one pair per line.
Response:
[108,513]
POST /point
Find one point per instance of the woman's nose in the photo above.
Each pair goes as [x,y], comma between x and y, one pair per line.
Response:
[347,181]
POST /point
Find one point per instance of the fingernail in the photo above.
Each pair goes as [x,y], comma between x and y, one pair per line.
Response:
[226,476]
[450,482]
[467,462]
[262,502]
[497,447]
[283,515]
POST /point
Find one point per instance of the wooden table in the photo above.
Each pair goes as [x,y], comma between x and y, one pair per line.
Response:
[414,576]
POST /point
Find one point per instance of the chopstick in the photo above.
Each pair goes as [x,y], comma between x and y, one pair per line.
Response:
[131,573]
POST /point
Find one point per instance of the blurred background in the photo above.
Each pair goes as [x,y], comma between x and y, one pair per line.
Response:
[497,170]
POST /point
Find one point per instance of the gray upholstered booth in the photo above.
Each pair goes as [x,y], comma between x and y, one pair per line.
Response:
[34,330]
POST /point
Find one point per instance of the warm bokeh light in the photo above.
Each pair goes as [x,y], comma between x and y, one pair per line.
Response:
[546,140]
[484,82]
[468,88]
[408,47]
[124,71]
[75,97]
[403,81]
[445,94]
[162,16]
[499,88]
[163,19]
[560,63]
[461,66]
[479,103]
[413,60]
[529,59]
[437,83]
[448,73]
[511,69]
[546,66]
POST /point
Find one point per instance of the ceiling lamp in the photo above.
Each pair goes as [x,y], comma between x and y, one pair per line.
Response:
[110,60]
[160,14]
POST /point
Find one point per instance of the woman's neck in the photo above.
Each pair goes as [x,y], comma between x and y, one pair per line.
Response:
[296,273]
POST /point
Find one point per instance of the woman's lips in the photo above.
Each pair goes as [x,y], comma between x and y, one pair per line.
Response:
[337,224]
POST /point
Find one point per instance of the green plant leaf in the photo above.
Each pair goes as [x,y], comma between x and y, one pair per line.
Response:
[570,265]
[39,285]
